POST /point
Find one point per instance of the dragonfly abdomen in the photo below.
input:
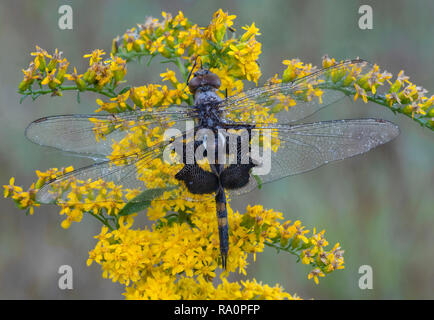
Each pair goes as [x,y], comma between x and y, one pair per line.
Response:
[223,227]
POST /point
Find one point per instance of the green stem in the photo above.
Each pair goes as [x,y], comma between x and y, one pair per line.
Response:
[181,68]
[68,88]
[101,219]
[130,55]
[270,244]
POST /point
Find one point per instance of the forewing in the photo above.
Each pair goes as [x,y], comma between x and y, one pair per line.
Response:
[289,102]
[301,148]
[94,135]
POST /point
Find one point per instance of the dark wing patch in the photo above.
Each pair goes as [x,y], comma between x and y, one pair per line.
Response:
[198,180]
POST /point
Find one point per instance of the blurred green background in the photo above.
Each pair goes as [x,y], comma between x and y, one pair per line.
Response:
[379,206]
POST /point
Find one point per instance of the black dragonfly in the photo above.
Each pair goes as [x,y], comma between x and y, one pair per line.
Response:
[128,160]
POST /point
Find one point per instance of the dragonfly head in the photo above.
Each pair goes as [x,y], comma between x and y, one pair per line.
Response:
[204,79]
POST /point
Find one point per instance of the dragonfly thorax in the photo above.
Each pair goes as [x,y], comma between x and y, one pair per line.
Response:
[208,115]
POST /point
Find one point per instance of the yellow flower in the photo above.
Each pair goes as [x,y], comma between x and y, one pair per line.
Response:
[327,61]
[220,22]
[117,67]
[117,105]
[95,56]
[300,233]
[81,85]
[315,274]
[40,55]
[169,75]
[29,76]
[360,92]
[250,31]
[308,255]
[178,94]
[55,59]
[11,188]
[51,79]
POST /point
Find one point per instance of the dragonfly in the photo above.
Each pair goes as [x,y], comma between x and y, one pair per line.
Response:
[129,157]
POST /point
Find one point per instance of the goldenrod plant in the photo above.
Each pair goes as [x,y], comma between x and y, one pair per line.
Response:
[178,256]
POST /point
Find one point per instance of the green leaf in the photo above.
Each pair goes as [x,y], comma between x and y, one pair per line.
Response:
[258,180]
[125,90]
[22,98]
[150,60]
[142,201]
[168,61]
[78,97]
[36,96]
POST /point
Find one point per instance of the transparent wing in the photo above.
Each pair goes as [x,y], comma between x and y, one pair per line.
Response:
[292,101]
[119,180]
[300,148]
[95,134]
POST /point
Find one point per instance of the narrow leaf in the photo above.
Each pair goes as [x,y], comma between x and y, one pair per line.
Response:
[142,201]
[258,181]
[22,98]
[125,90]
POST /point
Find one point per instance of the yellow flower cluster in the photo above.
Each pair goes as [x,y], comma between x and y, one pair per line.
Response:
[26,199]
[201,289]
[23,199]
[185,44]
[361,80]
[158,262]
[169,250]
[51,71]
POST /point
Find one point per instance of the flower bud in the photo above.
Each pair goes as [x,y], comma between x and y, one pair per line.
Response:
[24,85]
[295,242]
[135,97]
[288,74]
[41,62]
[89,76]
[165,52]
[408,109]
[348,80]
[395,86]
[136,46]
[115,45]
[219,34]
[81,85]
[52,64]
[338,75]
[119,75]
[62,71]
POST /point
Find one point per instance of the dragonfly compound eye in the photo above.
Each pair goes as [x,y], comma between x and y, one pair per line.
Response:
[204,78]
[194,84]
[212,80]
